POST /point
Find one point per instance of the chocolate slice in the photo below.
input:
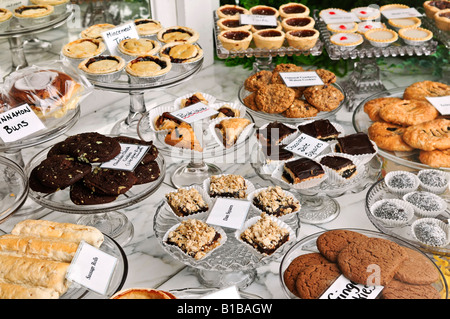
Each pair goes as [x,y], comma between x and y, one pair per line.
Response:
[341,165]
[355,144]
[320,129]
[301,170]
[274,133]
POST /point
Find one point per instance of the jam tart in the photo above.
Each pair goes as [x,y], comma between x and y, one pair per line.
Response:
[442,19]
[95,31]
[231,11]
[232,24]
[5,15]
[381,37]
[269,38]
[342,27]
[100,66]
[415,36]
[148,67]
[83,48]
[59,6]
[303,39]
[147,27]
[431,7]
[296,23]
[264,10]
[182,52]
[346,41]
[256,28]
[293,9]
[178,33]
[366,13]
[132,48]
[235,40]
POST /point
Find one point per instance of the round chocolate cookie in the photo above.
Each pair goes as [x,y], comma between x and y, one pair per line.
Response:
[297,265]
[109,181]
[152,153]
[417,269]
[332,242]
[146,173]
[313,281]
[61,171]
[82,195]
[37,186]
[400,290]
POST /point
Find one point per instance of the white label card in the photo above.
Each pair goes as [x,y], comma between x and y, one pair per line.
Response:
[92,268]
[194,112]
[256,19]
[441,103]
[307,146]
[401,13]
[113,36]
[18,123]
[130,156]
[225,293]
[229,213]
[343,288]
[297,79]
[12,4]
[340,17]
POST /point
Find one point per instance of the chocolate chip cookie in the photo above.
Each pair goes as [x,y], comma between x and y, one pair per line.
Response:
[146,173]
[256,81]
[80,194]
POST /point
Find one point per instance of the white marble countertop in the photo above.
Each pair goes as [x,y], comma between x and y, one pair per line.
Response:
[149,265]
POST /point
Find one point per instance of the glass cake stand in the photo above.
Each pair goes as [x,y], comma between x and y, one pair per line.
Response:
[365,78]
[233,263]
[196,170]
[106,217]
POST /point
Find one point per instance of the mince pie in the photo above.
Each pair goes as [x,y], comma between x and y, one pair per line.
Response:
[95,31]
[83,48]
[133,48]
[179,34]
[147,27]
[182,52]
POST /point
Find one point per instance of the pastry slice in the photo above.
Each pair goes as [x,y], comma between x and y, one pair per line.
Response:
[166,121]
[186,202]
[183,136]
[226,111]
[301,170]
[230,129]
[341,165]
[193,99]
[320,129]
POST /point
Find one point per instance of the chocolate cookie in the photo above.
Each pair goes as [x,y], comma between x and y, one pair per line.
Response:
[109,181]
[323,97]
[373,261]
[146,173]
[82,195]
[313,281]
[274,98]
[332,242]
[400,290]
[417,269]
[61,171]
[152,153]
[297,265]
[37,186]
[300,109]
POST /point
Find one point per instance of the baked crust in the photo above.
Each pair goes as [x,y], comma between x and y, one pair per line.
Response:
[420,90]
[143,293]
[182,52]
[146,27]
[429,136]
[373,106]
[442,19]
[295,23]
[137,47]
[49,2]
[383,35]
[33,11]
[411,22]
[235,40]
[178,33]
[436,158]
[303,39]
[183,136]
[5,15]
[148,66]
[95,31]
[408,112]
[388,136]
[432,7]
[264,10]
[102,64]
[269,38]
[83,48]
[415,35]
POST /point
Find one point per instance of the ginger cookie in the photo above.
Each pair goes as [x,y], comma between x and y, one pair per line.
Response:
[429,136]
[420,90]
[372,107]
[313,281]
[408,112]
[400,290]
[373,261]
[436,158]
[256,81]
[388,136]
[323,97]
[332,242]
[417,269]
[300,109]
[274,98]
[297,265]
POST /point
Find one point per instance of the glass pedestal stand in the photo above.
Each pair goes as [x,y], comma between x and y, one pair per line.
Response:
[222,279]
[318,209]
[34,45]
[128,126]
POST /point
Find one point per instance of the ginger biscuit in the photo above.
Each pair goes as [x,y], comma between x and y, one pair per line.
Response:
[400,290]
[417,269]
[313,281]
[332,242]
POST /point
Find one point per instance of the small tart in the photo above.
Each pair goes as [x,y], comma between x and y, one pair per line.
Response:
[331,12]
[33,11]
[264,10]
[5,15]
[293,9]
[148,66]
[393,6]
[369,25]
[137,47]
[405,22]
[83,48]
[146,27]
[103,64]
[95,31]
[442,19]
[346,40]
[235,40]
[49,2]
[182,52]
[256,28]
[303,39]
[269,38]
[231,10]
[415,36]
[178,33]
[232,24]
[342,27]
[366,13]
[296,23]
[431,7]
[381,37]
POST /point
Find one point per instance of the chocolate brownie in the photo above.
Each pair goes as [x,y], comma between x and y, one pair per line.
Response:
[109,181]
[417,269]
[82,195]
[313,281]
[61,171]
[400,290]
[152,152]
[146,173]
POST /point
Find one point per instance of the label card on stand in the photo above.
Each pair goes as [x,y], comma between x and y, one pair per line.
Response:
[130,156]
[307,146]
[441,103]
[18,123]
[401,13]
[92,268]
[194,113]
[300,79]
[229,213]
[257,19]
[342,288]
[340,17]
[113,36]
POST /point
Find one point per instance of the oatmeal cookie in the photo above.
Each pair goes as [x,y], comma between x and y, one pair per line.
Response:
[429,136]
[435,158]
[249,102]
[408,112]
[388,136]
[274,98]
[300,109]
[254,82]
[324,98]
[327,77]
[372,107]
[284,67]
[420,90]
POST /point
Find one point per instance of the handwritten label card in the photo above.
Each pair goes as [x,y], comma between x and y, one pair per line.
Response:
[307,146]
[257,19]
[130,156]
[229,213]
[92,268]
[113,36]
[18,123]
[340,17]
[441,103]
[401,13]
[297,79]
[194,112]
[343,288]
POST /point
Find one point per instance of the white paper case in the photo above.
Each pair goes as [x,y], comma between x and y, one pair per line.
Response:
[333,176]
[438,223]
[401,191]
[394,222]
[211,99]
[434,189]
[218,137]
[313,182]
[364,158]
[252,195]
[420,212]
[250,186]
[288,139]
[200,215]
[157,111]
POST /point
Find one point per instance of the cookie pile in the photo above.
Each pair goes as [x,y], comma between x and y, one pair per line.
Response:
[269,93]
[412,123]
[403,272]
[75,164]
